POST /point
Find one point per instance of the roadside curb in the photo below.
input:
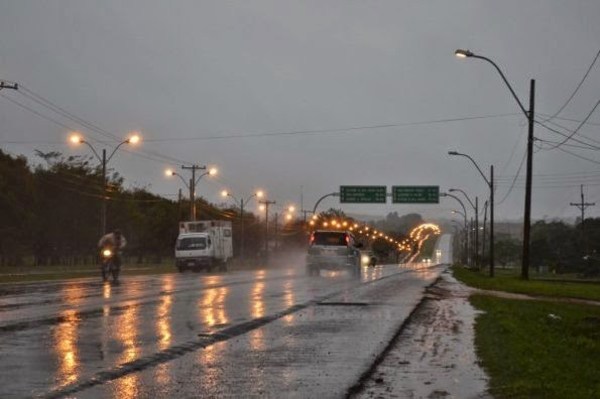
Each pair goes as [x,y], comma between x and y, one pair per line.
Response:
[360,384]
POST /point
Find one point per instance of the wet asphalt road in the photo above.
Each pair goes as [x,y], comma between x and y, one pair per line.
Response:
[264,333]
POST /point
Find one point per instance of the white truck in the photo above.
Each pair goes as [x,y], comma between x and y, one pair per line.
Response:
[203,244]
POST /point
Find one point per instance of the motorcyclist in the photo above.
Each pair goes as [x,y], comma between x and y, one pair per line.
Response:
[115,241]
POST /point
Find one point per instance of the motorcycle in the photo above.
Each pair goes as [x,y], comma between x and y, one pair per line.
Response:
[109,266]
[372,261]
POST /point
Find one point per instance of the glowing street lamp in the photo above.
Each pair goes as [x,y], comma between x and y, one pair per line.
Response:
[242,202]
[193,182]
[77,139]
[530,115]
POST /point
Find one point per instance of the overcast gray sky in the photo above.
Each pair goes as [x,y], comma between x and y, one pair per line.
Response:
[194,76]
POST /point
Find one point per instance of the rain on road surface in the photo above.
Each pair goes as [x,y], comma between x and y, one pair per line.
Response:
[262,333]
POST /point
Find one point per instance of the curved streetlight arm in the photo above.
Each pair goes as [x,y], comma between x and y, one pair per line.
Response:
[457,199]
[463,215]
[241,202]
[235,200]
[250,197]
[470,54]
[93,150]
[474,163]
[466,196]
[181,178]
[200,177]
[505,81]
[115,150]
[314,211]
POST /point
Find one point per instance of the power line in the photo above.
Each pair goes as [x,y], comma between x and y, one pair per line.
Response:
[333,130]
[568,120]
[514,180]
[579,156]
[592,146]
[61,111]
[156,158]
[582,147]
[578,127]
[35,112]
[576,88]
[44,102]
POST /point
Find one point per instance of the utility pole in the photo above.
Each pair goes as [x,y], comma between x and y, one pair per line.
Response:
[179,197]
[304,213]
[477,262]
[276,231]
[104,184]
[485,207]
[472,243]
[492,188]
[192,187]
[582,207]
[266,203]
[528,179]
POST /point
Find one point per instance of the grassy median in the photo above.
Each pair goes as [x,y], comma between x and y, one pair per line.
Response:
[537,349]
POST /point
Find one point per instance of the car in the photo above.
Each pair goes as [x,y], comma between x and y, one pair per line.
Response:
[333,250]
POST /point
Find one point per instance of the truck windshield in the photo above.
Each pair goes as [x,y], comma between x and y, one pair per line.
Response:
[191,243]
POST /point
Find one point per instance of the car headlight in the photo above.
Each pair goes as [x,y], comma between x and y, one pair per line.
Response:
[365,259]
[106,253]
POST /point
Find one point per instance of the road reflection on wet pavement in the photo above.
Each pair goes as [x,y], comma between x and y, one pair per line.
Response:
[245,333]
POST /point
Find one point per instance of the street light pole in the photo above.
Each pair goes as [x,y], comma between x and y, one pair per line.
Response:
[467,235]
[242,203]
[490,184]
[192,185]
[104,184]
[465,213]
[475,207]
[267,203]
[77,139]
[529,173]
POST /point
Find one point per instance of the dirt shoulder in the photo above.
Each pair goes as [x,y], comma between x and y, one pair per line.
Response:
[434,356]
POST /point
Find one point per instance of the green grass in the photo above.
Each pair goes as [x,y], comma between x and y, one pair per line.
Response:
[529,354]
[511,282]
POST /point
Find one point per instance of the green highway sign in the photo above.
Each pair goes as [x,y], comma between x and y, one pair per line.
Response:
[363,194]
[415,194]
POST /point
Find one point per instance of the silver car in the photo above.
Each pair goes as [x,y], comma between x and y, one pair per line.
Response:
[333,250]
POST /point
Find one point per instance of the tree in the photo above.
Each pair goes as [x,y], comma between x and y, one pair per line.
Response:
[557,245]
[16,200]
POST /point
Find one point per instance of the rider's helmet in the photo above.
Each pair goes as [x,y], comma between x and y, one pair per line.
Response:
[117,232]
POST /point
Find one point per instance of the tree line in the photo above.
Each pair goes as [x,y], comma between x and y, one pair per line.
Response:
[556,246]
[51,213]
